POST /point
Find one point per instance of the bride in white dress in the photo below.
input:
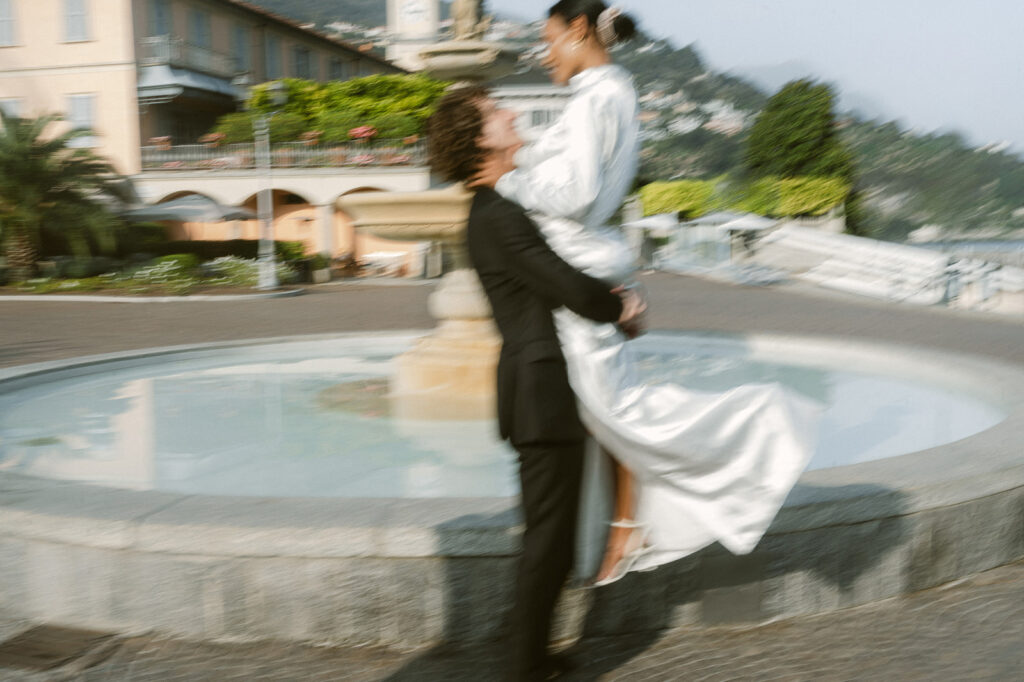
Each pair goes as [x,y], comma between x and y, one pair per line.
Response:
[692,467]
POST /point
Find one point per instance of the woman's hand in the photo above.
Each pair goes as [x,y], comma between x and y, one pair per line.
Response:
[496,164]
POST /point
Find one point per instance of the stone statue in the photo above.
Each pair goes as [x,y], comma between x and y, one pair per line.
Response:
[468,19]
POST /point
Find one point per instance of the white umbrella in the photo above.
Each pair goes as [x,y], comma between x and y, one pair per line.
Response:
[194,208]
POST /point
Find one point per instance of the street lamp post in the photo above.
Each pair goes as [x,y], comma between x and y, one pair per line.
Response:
[267,267]
[266,262]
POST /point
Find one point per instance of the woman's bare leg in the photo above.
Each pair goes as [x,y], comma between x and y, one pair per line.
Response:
[625,510]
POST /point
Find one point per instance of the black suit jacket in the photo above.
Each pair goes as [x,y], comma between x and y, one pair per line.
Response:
[525,280]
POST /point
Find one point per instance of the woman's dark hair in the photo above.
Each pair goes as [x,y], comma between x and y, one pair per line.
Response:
[452,133]
[625,27]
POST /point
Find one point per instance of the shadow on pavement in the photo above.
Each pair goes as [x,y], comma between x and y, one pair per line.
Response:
[821,569]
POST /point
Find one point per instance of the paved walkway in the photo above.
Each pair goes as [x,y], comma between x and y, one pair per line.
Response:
[970,630]
[36,331]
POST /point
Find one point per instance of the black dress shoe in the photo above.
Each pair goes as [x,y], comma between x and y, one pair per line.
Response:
[560,664]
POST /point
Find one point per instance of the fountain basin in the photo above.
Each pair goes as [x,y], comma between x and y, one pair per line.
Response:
[438,215]
[410,571]
[469,60]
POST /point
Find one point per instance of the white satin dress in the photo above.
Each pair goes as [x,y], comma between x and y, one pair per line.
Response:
[709,466]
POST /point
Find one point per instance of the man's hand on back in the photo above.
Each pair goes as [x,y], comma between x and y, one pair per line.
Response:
[631,321]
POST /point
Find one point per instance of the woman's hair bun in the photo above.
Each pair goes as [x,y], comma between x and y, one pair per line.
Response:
[612,25]
[625,28]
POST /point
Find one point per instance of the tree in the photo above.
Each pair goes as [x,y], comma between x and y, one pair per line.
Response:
[796,135]
[45,183]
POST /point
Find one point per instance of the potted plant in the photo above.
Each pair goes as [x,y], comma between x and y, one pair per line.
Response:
[212,139]
[363,134]
[320,268]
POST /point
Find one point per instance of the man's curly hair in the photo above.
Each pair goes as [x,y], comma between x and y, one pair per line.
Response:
[452,133]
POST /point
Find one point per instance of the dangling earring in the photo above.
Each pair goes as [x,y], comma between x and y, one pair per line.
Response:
[577,44]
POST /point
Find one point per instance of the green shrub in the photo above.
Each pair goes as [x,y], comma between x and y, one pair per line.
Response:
[284,126]
[242,272]
[287,127]
[186,262]
[88,267]
[243,248]
[393,126]
[237,127]
[338,106]
[811,196]
[289,250]
[760,197]
[287,273]
[692,198]
[139,238]
[335,125]
[803,196]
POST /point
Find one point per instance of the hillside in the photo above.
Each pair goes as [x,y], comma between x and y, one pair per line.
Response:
[367,13]
[695,122]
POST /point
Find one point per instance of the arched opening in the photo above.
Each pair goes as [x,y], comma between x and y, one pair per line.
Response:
[294,219]
[376,254]
[190,229]
[183,193]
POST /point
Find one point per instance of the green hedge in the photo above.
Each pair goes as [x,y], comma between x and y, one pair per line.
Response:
[773,196]
[242,248]
[691,198]
[397,105]
[240,127]
[781,197]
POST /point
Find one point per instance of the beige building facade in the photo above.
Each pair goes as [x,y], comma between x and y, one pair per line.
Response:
[134,70]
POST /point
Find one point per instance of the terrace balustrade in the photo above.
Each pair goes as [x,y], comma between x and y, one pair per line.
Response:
[283,155]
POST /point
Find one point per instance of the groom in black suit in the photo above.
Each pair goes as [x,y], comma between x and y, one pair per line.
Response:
[525,281]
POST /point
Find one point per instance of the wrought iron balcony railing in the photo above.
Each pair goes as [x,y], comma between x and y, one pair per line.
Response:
[283,155]
[157,50]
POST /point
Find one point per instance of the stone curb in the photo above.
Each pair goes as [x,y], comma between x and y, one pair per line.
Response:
[153,299]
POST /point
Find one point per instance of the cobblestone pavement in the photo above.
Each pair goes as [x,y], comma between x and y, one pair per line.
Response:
[973,630]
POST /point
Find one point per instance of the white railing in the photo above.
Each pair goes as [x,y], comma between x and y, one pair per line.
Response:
[869,267]
[157,50]
[283,155]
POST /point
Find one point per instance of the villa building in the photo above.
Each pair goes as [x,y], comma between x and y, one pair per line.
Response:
[134,70]
[151,77]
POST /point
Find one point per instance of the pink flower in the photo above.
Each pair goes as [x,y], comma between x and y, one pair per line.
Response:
[362,133]
[212,138]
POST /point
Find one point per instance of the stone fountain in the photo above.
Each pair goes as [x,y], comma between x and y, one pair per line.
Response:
[450,373]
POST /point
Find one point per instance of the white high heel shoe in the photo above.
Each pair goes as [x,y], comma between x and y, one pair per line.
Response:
[636,546]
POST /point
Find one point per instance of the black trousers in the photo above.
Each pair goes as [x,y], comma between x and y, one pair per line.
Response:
[551,476]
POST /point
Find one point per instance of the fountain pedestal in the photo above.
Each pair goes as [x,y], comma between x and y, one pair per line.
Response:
[468,60]
[450,373]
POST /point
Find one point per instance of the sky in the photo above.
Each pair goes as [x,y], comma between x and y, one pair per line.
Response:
[931,64]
